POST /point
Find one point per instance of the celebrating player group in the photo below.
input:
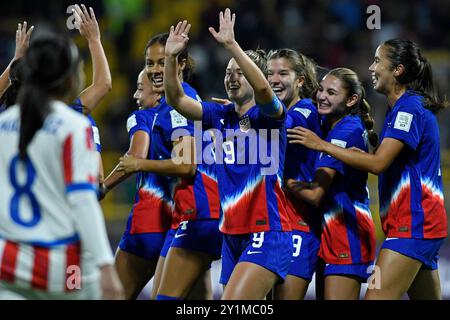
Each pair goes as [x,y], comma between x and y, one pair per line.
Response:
[272,180]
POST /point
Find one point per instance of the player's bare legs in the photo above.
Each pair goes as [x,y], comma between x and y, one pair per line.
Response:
[397,274]
[202,289]
[249,281]
[134,272]
[157,277]
[182,269]
[426,286]
[293,288]
[342,287]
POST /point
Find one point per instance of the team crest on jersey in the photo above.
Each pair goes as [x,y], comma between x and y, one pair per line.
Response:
[177,119]
[244,124]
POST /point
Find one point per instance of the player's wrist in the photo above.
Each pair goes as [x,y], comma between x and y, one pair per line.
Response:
[171,55]
[323,146]
[137,165]
[231,45]
[94,41]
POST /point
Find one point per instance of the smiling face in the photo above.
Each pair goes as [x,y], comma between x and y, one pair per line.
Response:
[236,85]
[332,97]
[383,79]
[284,81]
[145,95]
[154,66]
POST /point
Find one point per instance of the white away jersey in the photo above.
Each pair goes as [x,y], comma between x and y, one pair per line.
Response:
[33,205]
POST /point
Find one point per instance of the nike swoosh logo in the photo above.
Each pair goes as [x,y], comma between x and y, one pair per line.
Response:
[253,252]
[180,235]
[387,239]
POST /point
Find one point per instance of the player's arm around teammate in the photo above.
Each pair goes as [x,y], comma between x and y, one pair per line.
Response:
[348,236]
[172,149]
[410,138]
[136,270]
[140,139]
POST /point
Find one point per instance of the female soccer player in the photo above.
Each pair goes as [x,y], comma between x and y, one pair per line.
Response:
[348,236]
[53,238]
[194,196]
[408,165]
[257,245]
[138,254]
[292,77]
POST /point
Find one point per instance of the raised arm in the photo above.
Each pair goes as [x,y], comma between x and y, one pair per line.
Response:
[22,41]
[375,163]
[101,78]
[263,92]
[176,43]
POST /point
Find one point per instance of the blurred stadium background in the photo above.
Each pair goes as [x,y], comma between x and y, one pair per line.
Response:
[333,33]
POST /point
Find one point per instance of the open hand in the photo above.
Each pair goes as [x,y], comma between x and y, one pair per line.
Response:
[305,137]
[225,35]
[22,39]
[86,23]
[178,38]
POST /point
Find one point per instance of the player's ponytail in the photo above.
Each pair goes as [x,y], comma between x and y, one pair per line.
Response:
[47,64]
[417,74]
[366,118]
[353,85]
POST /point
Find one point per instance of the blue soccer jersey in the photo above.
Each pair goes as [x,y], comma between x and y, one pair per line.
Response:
[250,153]
[348,235]
[152,208]
[78,106]
[193,198]
[411,193]
[299,165]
